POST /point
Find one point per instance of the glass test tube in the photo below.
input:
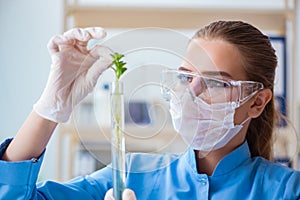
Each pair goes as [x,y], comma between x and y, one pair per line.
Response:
[117,139]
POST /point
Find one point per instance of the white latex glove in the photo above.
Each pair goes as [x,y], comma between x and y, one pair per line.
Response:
[74,72]
[128,194]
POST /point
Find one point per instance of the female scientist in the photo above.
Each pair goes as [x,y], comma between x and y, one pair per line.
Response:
[225,114]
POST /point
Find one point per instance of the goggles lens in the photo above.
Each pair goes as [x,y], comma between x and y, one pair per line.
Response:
[210,89]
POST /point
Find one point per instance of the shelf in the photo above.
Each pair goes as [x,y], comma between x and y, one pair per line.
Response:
[191,4]
[267,15]
[138,139]
[176,19]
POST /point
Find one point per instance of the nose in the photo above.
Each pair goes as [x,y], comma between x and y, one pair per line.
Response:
[199,89]
[197,86]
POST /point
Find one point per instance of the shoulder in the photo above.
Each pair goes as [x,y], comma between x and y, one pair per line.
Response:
[285,180]
[275,171]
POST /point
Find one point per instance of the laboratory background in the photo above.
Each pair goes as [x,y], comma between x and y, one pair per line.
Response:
[82,145]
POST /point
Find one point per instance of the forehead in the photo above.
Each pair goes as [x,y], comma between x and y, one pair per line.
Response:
[214,55]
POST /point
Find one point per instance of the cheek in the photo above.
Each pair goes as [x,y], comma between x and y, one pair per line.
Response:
[241,114]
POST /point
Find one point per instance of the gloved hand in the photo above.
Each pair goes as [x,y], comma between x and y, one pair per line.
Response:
[128,194]
[74,72]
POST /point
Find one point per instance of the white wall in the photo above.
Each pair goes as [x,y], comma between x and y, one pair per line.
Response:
[26,27]
[298,74]
[298,50]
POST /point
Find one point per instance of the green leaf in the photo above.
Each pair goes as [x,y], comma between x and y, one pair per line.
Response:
[119,64]
[123,70]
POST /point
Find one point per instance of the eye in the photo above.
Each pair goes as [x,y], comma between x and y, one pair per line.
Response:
[213,83]
[185,78]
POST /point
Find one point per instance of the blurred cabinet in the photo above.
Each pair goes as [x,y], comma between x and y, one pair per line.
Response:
[84,142]
[84,149]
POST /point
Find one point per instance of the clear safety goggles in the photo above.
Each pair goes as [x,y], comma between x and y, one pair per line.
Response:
[210,89]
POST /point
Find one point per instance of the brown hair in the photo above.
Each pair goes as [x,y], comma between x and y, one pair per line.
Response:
[259,62]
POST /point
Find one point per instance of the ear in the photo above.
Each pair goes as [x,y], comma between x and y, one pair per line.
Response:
[260,101]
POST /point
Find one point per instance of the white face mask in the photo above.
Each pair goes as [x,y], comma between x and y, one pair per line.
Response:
[203,126]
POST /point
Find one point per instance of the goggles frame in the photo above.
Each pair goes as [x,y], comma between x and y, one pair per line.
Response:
[240,91]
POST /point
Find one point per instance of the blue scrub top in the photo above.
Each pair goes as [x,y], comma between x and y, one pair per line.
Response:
[160,176]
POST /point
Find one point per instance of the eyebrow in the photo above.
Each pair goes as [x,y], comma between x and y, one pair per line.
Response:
[217,73]
[184,69]
[210,73]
